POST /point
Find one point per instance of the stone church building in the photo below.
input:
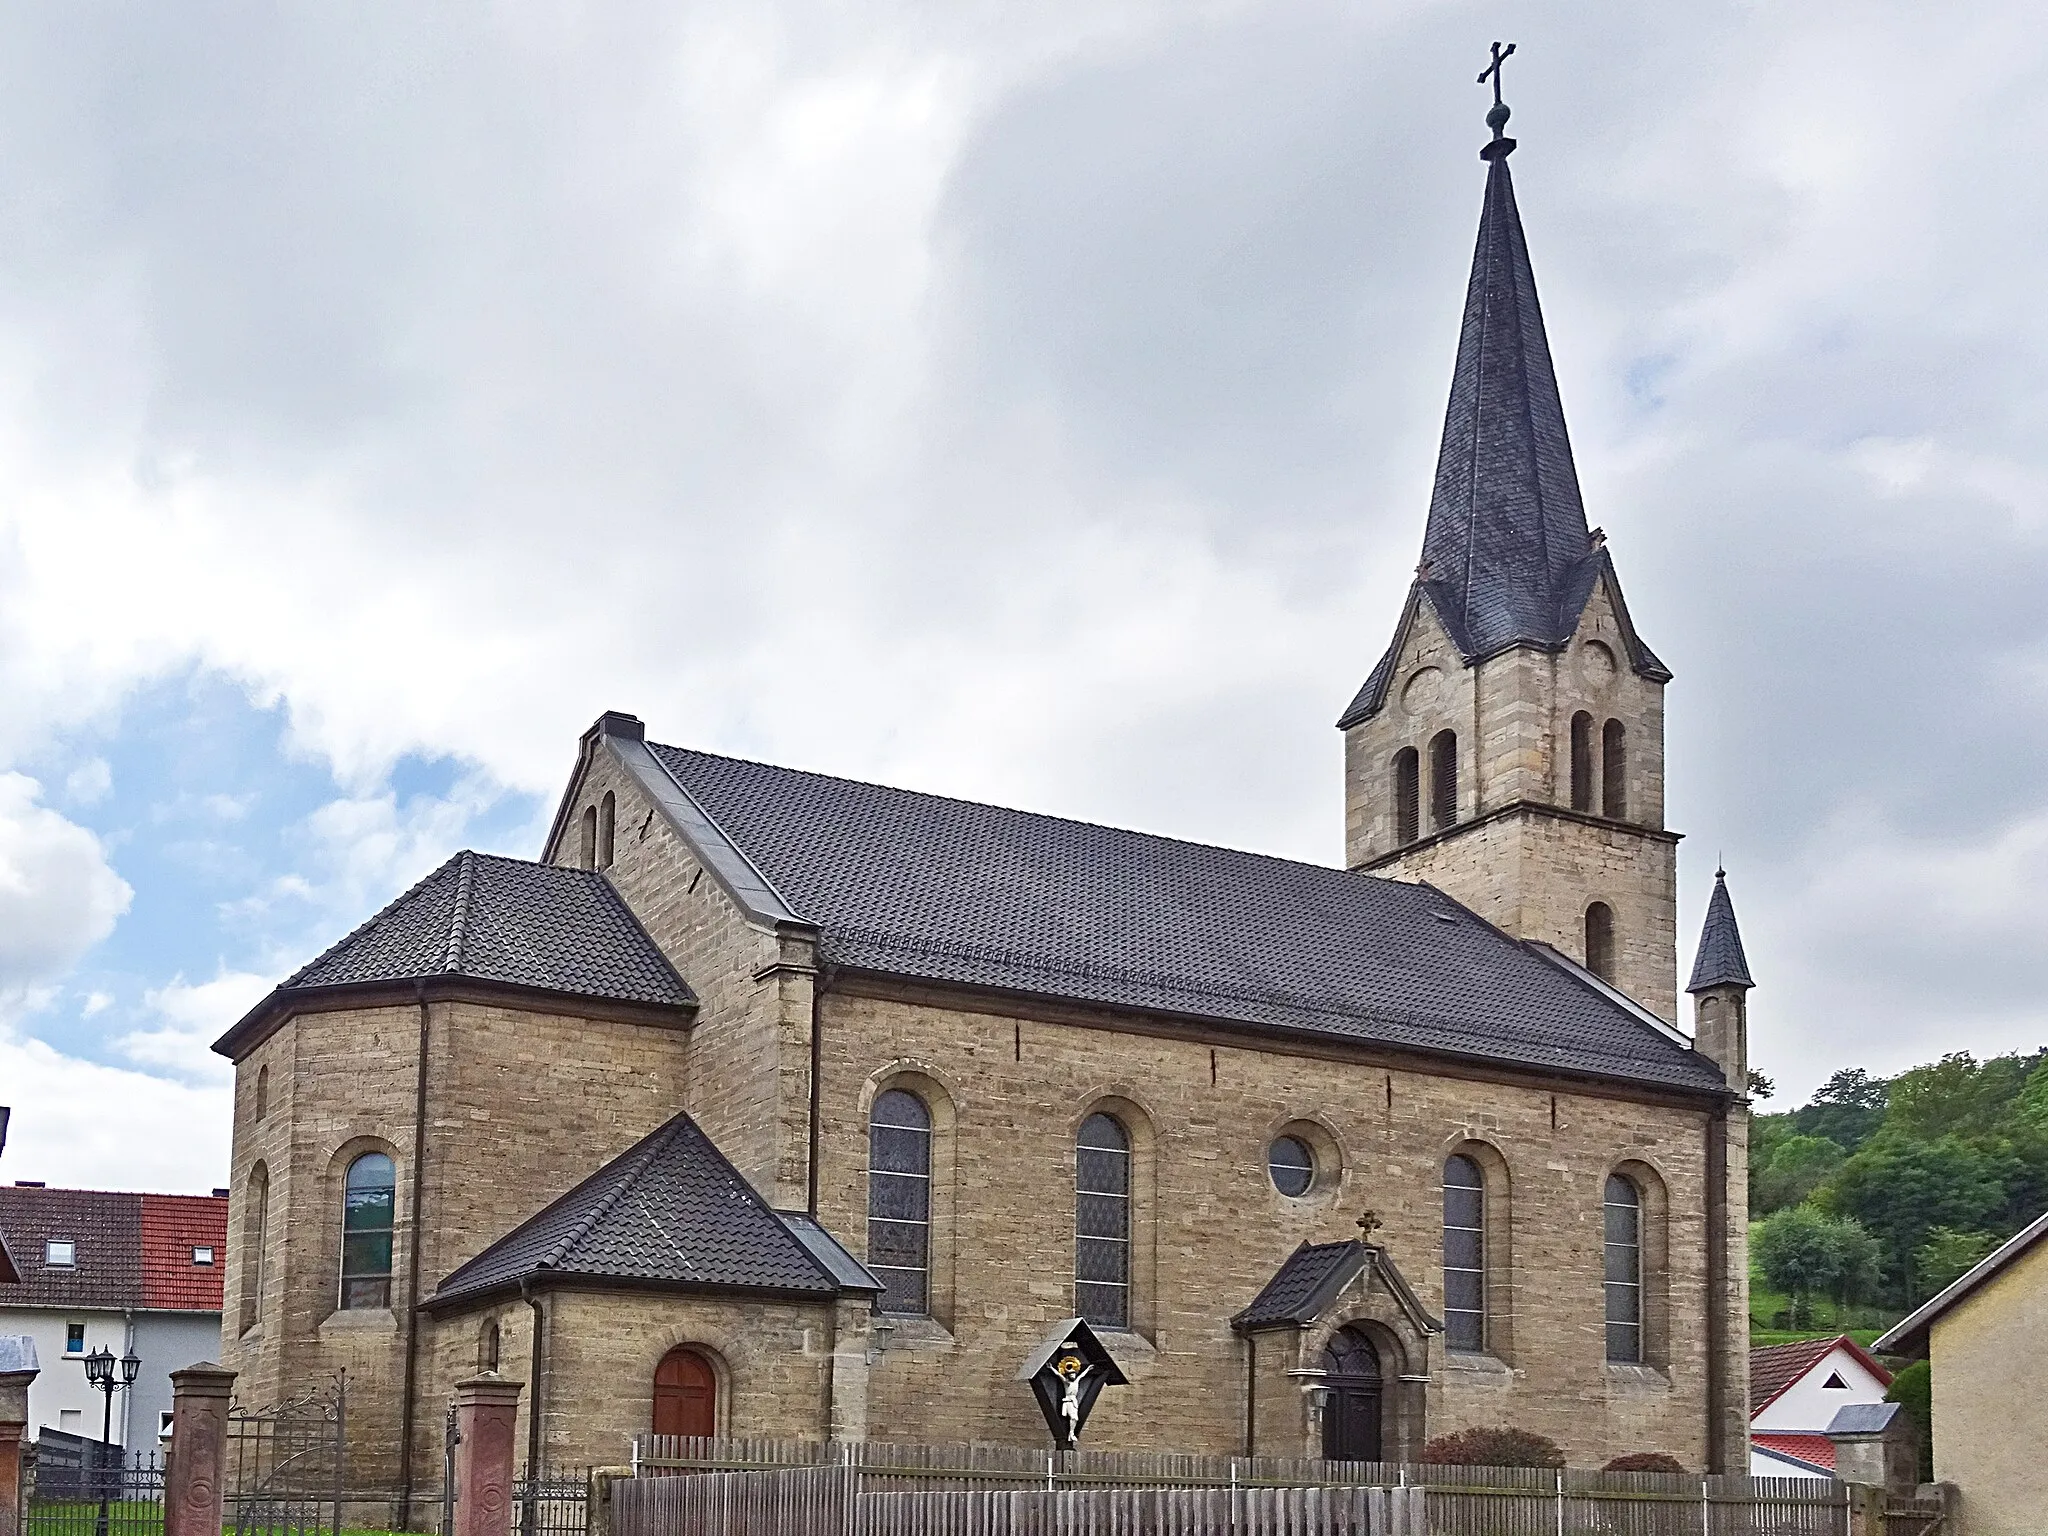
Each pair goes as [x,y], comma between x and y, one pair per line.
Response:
[771,1103]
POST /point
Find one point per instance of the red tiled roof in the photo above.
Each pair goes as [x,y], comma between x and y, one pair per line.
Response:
[1775,1367]
[173,1227]
[128,1250]
[1814,1450]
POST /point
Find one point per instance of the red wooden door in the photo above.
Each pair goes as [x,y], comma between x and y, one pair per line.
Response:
[685,1395]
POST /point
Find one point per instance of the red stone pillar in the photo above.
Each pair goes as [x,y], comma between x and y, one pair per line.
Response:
[195,1480]
[17,1370]
[486,1416]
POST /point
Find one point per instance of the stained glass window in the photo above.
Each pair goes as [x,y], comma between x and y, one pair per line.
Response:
[369,1215]
[1102,1223]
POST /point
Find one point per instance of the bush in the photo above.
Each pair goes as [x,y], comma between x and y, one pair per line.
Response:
[1913,1389]
[1644,1461]
[1497,1447]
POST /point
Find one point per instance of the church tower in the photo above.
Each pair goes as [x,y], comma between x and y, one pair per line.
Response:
[1509,746]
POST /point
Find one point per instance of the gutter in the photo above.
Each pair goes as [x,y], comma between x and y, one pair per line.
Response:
[1717,1285]
[412,1265]
[821,980]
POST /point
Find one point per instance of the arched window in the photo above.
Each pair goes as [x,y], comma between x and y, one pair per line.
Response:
[255,1238]
[685,1395]
[369,1216]
[1102,1223]
[1464,1254]
[262,1092]
[1600,940]
[487,1346]
[1614,770]
[1624,1273]
[1351,1405]
[607,815]
[1582,761]
[1407,774]
[1443,780]
[586,848]
[900,1200]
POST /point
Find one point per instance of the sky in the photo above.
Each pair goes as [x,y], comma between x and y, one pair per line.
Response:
[1031,403]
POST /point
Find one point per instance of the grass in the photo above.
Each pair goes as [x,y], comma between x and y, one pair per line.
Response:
[1770,1319]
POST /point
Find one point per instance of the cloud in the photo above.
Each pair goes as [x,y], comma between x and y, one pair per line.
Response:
[83,1124]
[58,895]
[89,783]
[192,1016]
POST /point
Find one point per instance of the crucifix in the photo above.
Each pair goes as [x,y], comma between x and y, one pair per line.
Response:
[1368,1224]
[1492,71]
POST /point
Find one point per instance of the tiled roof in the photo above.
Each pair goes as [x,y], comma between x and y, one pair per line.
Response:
[1774,1368]
[130,1250]
[1296,1291]
[1814,1450]
[509,921]
[1507,558]
[668,1213]
[918,886]
[1720,961]
[174,1227]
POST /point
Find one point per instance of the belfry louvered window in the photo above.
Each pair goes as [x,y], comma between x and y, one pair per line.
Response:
[1464,1254]
[1614,770]
[900,1200]
[1102,1223]
[1582,761]
[1407,791]
[1624,1272]
[1443,780]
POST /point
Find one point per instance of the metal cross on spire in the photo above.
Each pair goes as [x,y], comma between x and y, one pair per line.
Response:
[1497,115]
[1492,71]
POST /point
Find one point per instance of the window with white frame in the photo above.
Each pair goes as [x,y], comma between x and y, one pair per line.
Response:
[202,1255]
[60,1253]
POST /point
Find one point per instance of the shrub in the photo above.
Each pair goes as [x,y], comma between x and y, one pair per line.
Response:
[1496,1447]
[1644,1461]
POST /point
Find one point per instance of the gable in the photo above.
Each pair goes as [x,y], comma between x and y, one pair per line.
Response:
[1798,1387]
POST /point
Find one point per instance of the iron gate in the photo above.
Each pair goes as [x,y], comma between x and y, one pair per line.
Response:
[286,1466]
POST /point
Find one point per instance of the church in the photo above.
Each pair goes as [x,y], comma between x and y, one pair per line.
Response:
[770,1103]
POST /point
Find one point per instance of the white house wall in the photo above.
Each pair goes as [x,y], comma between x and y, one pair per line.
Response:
[1807,1405]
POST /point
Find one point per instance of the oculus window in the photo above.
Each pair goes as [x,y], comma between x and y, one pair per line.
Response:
[1291,1166]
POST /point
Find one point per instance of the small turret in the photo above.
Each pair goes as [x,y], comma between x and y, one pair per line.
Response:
[1720,987]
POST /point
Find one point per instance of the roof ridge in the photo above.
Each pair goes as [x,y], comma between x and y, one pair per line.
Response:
[604,1204]
[367,924]
[458,923]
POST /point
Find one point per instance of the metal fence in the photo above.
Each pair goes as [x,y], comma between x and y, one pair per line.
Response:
[557,1503]
[84,1488]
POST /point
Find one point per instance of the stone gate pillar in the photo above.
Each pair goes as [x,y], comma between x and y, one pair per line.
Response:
[17,1370]
[486,1416]
[195,1479]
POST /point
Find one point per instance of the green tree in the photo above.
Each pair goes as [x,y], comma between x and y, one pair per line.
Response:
[1805,1253]
[1958,1095]
[2031,1107]
[1914,1388]
[1847,1109]
[1901,1190]
[1798,1166]
[1947,1256]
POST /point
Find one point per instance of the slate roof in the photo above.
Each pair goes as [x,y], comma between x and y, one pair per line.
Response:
[668,1213]
[1720,961]
[492,919]
[130,1250]
[1311,1278]
[929,888]
[1507,558]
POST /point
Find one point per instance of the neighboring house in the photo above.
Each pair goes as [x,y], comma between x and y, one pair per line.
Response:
[9,1274]
[1983,1338]
[118,1271]
[1794,1391]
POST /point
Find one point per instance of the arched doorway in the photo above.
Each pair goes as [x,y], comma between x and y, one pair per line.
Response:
[685,1395]
[1351,1411]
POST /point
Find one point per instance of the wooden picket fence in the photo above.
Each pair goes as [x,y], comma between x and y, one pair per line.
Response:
[731,1487]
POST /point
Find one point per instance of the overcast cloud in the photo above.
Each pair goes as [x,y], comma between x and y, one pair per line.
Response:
[1036,403]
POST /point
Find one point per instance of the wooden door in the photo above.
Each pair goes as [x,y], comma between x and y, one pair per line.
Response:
[685,1395]
[1351,1411]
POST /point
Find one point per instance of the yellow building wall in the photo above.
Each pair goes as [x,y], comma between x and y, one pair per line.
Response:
[1990,1421]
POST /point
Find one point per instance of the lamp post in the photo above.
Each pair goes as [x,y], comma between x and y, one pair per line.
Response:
[100,1370]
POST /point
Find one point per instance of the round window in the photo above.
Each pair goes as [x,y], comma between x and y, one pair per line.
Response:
[1291,1164]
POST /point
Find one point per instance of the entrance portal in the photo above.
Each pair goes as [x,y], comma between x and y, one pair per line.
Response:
[1351,1411]
[685,1395]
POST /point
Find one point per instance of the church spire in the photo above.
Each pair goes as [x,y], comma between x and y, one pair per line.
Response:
[1507,555]
[1720,962]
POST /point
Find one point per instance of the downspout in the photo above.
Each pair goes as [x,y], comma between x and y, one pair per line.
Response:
[535,1366]
[1251,1395]
[412,1269]
[1717,1285]
[820,980]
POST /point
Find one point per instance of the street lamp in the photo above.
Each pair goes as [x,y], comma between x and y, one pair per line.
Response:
[100,1371]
